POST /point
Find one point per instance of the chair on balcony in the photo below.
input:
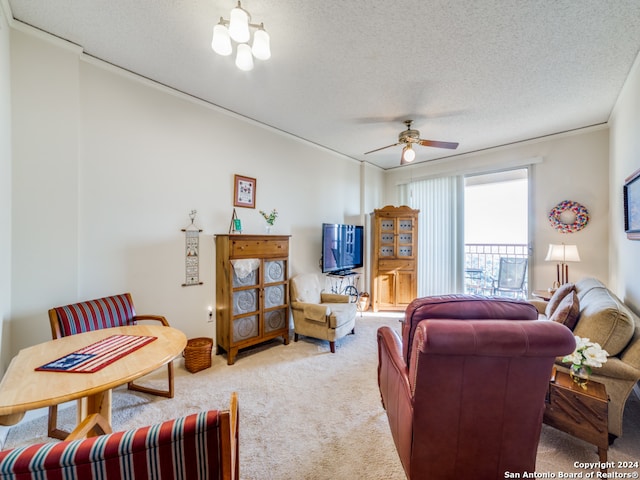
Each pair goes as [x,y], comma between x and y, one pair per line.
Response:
[475,281]
[511,277]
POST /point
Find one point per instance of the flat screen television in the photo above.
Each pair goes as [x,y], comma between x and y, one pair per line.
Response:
[342,247]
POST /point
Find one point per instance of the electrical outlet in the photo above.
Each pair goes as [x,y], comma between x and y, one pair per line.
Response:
[210,315]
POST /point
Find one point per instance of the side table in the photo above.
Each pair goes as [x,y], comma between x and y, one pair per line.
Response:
[581,412]
[543,294]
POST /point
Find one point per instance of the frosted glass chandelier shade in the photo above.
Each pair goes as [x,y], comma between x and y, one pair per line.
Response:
[261,48]
[239,25]
[237,28]
[244,58]
[221,42]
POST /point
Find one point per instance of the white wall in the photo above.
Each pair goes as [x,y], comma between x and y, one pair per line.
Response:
[625,160]
[108,166]
[45,120]
[5,191]
[372,198]
[572,167]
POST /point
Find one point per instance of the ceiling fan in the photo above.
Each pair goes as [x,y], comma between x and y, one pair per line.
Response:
[409,137]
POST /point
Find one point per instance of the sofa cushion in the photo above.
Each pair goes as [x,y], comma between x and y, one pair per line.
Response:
[603,317]
[557,297]
[567,311]
[307,289]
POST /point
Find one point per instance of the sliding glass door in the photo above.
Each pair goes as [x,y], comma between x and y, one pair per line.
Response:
[496,227]
[470,226]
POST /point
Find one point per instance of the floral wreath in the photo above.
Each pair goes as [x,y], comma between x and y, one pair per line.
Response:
[581,220]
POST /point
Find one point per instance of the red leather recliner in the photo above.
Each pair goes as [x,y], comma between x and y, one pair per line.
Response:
[464,391]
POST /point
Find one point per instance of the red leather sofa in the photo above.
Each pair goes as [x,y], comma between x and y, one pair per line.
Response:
[464,389]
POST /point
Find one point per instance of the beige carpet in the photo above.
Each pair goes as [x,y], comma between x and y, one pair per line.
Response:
[308,414]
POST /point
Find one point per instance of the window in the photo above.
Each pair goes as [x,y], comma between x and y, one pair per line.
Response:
[486,210]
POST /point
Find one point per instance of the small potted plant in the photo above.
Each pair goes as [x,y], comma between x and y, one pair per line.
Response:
[270,218]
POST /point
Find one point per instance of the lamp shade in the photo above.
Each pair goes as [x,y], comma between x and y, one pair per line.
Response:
[261,49]
[408,153]
[562,253]
[221,42]
[244,58]
[239,25]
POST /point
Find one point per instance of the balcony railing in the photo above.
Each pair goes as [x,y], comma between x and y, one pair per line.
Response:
[482,268]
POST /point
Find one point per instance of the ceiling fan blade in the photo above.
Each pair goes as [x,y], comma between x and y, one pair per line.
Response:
[435,143]
[381,148]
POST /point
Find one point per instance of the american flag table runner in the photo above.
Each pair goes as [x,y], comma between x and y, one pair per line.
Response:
[98,355]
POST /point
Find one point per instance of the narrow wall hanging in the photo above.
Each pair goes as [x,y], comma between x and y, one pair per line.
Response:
[192,252]
[236,224]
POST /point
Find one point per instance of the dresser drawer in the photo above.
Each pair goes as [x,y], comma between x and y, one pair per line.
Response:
[390,265]
[249,248]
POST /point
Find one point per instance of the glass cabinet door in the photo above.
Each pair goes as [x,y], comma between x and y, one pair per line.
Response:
[275,295]
[405,238]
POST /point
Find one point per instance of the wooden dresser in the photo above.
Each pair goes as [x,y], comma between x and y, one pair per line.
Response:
[252,291]
[394,262]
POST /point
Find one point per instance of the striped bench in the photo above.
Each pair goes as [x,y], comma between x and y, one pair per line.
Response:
[194,447]
[90,315]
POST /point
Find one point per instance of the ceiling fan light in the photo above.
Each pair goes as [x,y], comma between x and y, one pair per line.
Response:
[261,49]
[244,59]
[408,154]
[221,42]
[239,25]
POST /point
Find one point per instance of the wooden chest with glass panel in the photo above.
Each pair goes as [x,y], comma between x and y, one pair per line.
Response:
[252,291]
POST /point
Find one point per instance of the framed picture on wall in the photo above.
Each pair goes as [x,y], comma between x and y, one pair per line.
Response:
[631,192]
[244,191]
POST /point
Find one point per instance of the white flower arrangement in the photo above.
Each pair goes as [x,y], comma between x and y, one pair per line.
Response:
[587,354]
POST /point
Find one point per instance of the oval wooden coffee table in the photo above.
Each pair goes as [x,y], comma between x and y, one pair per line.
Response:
[23,388]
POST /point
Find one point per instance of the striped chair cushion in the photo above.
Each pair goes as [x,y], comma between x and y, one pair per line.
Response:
[114,311]
[184,448]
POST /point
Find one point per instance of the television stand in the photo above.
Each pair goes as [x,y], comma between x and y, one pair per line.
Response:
[345,282]
[342,273]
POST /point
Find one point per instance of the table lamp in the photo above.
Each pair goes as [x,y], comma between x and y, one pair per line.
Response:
[562,253]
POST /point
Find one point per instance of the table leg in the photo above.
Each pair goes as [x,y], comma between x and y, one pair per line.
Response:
[602,453]
[97,403]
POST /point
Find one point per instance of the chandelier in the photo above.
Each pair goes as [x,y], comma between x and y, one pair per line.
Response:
[237,28]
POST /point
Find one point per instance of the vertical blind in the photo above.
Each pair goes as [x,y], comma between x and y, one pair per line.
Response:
[440,232]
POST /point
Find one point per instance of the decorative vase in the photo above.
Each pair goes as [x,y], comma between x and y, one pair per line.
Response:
[267,228]
[580,375]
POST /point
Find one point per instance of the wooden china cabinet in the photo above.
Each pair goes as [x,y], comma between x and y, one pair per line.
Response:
[394,262]
[252,291]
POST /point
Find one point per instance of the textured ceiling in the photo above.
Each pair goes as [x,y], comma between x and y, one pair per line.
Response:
[345,75]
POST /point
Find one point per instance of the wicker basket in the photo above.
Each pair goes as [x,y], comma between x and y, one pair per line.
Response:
[363,301]
[197,354]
